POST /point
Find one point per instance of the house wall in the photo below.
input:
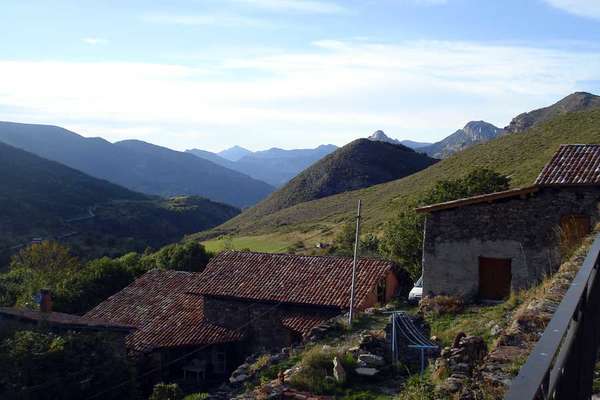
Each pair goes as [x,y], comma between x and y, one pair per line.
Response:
[525,230]
[261,322]
[392,285]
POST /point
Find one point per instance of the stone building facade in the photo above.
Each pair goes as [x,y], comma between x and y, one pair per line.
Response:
[525,229]
[265,325]
[511,240]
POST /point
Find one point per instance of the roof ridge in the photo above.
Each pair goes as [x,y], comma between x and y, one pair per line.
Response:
[303,255]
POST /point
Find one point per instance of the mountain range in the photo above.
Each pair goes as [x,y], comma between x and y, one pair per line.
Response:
[274,166]
[359,164]
[520,156]
[45,199]
[578,101]
[137,165]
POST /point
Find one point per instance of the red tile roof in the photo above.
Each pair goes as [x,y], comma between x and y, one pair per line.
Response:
[63,320]
[303,322]
[311,280]
[165,315]
[572,164]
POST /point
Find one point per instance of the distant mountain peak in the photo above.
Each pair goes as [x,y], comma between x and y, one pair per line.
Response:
[380,136]
[578,101]
[474,132]
[234,153]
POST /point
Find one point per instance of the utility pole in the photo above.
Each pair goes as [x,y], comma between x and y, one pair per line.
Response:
[356,243]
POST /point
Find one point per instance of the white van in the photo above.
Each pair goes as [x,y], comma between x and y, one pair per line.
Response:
[416,293]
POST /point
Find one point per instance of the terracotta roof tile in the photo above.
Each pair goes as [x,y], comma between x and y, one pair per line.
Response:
[311,280]
[573,164]
[303,322]
[165,315]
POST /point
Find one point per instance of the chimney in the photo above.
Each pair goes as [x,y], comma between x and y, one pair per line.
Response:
[45,301]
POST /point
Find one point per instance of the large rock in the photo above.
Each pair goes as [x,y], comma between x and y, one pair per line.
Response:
[366,371]
[371,360]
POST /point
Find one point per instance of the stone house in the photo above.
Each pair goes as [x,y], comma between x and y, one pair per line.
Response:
[241,303]
[485,246]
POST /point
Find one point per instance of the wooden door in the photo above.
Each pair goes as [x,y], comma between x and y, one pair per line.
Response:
[573,228]
[494,278]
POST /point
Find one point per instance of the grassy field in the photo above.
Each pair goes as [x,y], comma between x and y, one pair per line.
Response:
[295,241]
[520,156]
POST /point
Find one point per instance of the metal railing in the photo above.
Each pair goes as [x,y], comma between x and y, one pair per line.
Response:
[561,366]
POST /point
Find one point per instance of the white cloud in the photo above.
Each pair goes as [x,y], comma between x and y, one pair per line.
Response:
[582,8]
[94,41]
[334,93]
[303,6]
[221,20]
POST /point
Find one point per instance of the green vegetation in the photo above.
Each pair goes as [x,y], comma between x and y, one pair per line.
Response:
[166,391]
[262,243]
[43,365]
[315,374]
[520,156]
[359,164]
[41,198]
[77,287]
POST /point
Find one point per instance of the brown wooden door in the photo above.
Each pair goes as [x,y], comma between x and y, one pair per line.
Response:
[494,278]
[573,228]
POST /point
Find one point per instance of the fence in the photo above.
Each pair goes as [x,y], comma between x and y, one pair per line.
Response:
[561,366]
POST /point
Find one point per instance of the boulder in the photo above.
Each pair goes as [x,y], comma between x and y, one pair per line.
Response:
[366,371]
[238,378]
[371,359]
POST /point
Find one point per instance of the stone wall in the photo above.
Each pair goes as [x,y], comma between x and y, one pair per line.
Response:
[525,230]
[261,322]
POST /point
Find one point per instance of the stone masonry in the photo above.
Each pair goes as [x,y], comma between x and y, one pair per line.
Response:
[524,229]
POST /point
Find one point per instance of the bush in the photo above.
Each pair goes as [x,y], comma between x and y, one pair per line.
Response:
[67,366]
[440,305]
[165,391]
[316,372]
[196,396]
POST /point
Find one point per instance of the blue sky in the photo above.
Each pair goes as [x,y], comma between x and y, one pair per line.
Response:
[290,73]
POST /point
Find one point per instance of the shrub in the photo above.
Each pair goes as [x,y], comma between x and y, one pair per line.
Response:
[67,366]
[262,362]
[315,374]
[196,396]
[165,391]
[440,305]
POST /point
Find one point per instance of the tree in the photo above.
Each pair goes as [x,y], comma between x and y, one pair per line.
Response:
[43,265]
[188,256]
[45,365]
[403,241]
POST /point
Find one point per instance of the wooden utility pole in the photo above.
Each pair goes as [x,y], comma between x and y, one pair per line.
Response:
[356,244]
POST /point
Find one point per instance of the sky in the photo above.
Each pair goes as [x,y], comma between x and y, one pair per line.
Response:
[211,74]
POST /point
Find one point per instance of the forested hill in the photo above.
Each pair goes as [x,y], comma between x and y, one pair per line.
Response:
[359,164]
[45,199]
[137,165]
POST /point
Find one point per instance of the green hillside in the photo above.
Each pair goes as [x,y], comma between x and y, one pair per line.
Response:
[44,199]
[520,156]
[359,164]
